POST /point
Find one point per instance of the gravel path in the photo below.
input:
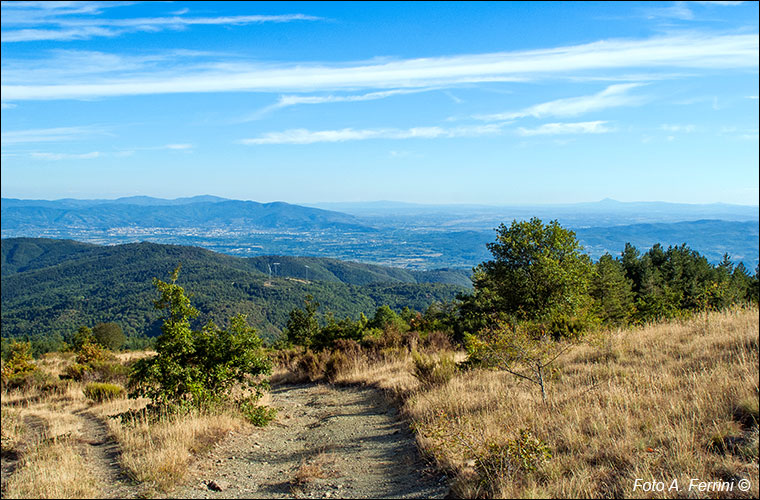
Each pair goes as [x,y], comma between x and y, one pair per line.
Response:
[327,442]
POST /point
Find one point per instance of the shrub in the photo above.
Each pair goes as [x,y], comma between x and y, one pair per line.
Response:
[109,335]
[511,461]
[91,352]
[437,341]
[75,371]
[35,379]
[432,372]
[311,365]
[338,364]
[100,392]
[349,347]
[19,363]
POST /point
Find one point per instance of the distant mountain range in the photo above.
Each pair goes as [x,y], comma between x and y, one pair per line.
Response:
[144,211]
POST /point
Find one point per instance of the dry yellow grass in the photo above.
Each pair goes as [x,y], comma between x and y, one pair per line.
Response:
[51,468]
[158,453]
[642,403]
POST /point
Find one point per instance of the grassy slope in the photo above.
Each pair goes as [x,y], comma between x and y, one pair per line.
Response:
[663,401]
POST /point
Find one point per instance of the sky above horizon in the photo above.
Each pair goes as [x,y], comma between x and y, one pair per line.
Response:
[304,102]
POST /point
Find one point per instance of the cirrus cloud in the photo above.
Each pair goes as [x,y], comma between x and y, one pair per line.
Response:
[706,52]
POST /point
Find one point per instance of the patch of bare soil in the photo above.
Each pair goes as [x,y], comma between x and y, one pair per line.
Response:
[327,442]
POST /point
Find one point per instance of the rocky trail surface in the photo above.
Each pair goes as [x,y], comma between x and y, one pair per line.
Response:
[327,442]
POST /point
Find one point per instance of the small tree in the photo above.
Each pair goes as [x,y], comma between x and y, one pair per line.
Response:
[109,335]
[303,325]
[519,350]
[612,292]
[20,362]
[81,337]
[196,368]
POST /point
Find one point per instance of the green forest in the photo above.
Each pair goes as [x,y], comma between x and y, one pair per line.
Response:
[52,287]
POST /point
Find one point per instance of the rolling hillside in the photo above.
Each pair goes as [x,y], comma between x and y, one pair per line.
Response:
[51,287]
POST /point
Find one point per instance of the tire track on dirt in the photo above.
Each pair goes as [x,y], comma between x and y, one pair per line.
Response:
[327,442]
[101,452]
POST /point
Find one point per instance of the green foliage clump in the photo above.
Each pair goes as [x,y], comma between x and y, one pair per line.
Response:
[197,369]
[20,362]
[258,415]
[100,392]
[519,456]
[109,335]
[673,282]
[386,319]
[82,336]
[537,274]
[303,324]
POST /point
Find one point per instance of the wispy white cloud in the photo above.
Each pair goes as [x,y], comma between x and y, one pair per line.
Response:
[707,52]
[727,3]
[682,10]
[178,146]
[751,97]
[596,127]
[295,100]
[305,136]
[50,134]
[678,128]
[612,96]
[678,10]
[36,21]
[65,156]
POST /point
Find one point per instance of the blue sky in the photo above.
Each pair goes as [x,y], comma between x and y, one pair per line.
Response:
[494,103]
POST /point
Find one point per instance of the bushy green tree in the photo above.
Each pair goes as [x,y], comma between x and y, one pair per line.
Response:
[538,274]
[612,291]
[303,324]
[109,335]
[386,318]
[345,329]
[196,369]
[20,361]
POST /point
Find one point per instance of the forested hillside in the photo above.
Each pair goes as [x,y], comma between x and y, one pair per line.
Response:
[51,287]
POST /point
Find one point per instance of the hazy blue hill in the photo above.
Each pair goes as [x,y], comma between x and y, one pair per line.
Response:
[127,200]
[711,238]
[63,285]
[17,215]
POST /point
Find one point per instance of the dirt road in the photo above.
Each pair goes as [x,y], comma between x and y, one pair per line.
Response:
[327,442]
